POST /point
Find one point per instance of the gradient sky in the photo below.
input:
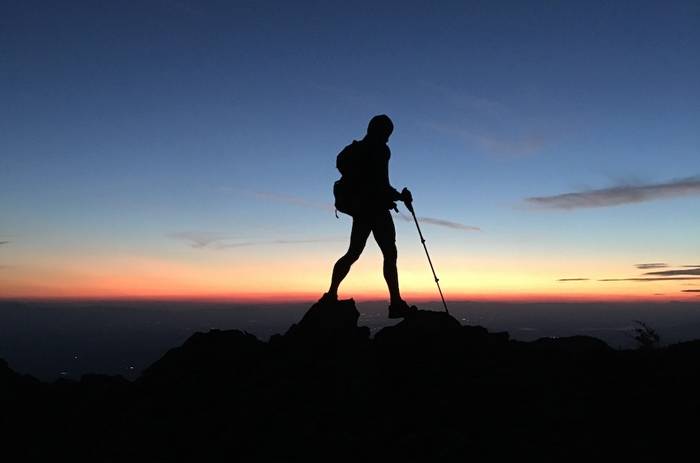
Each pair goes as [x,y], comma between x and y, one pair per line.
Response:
[180,148]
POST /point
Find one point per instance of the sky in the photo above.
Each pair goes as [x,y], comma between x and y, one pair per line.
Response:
[187,149]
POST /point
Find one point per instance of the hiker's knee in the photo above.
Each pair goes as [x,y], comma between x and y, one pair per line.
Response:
[353,254]
[390,253]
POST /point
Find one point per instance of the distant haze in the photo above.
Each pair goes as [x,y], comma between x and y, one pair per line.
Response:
[52,340]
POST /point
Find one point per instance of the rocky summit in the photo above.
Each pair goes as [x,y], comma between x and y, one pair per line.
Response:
[425,389]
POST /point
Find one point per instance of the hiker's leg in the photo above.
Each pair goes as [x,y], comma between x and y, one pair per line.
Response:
[358,238]
[385,236]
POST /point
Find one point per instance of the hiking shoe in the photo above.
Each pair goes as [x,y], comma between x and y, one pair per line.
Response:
[328,298]
[401,309]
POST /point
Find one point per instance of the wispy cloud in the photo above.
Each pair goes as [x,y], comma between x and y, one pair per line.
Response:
[199,239]
[618,195]
[573,279]
[487,124]
[268,242]
[650,279]
[210,240]
[295,200]
[302,202]
[2,243]
[687,271]
[651,265]
[691,291]
[440,223]
[500,144]
[520,145]
[468,101]
[448,224]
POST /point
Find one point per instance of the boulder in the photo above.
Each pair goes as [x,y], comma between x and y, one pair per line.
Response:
[436,330]
[424,326]
[328,323]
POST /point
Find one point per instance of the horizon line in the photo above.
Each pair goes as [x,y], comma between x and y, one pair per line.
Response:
[305,298]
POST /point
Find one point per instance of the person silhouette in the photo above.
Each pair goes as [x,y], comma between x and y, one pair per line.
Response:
[364,166]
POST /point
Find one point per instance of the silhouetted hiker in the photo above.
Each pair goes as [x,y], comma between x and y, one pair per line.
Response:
[364,192]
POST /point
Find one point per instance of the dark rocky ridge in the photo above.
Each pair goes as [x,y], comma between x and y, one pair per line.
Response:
[426,389]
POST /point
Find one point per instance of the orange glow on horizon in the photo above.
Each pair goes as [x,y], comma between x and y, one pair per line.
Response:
[308,297]
[150,278]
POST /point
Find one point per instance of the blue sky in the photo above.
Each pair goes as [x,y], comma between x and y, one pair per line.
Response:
[125,123]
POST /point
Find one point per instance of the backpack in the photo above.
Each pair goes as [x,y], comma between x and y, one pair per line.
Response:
[343,191]
[342,194]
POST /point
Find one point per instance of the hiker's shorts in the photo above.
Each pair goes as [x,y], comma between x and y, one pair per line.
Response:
[381,225]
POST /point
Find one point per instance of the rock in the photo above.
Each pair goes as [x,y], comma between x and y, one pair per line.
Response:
[571,345]
[431,330]
[11,379]
[480,336]
[104,382]
[5,370]
[425,389]
[424,326]
[217,353]
[327,323]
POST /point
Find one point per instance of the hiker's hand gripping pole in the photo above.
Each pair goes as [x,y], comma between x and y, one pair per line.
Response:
[409,206]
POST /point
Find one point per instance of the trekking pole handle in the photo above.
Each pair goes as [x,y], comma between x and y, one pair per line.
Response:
[407,199]
[409,206]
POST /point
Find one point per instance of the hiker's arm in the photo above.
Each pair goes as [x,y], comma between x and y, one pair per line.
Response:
[395,195]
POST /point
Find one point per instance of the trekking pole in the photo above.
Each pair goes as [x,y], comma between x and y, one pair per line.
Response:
[409,206]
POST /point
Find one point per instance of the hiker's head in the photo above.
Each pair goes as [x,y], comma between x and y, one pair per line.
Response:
[380,128]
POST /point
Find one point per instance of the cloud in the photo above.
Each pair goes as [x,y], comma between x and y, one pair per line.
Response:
[488,124]
[689,271]
[522,145]
[573,279]
[618,195]
[650,279]
[651,265]
[210,240]
[662,275]
[691,291]
[198,239]
[298,201]
[448,224]
[440,223]
[278,198]
[264,242]
[500,144]
[3,243]
[295,200]
[469,101]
